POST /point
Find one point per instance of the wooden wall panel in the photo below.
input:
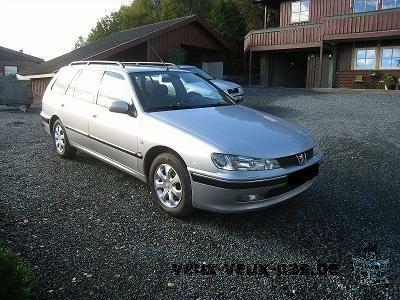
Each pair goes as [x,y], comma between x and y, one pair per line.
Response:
[191,35]
[376,24]
[318,10]
[379,21]
[289,36]
[38,88]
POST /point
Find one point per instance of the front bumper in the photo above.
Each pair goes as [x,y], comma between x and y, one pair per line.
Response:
[45,121]
[234,196]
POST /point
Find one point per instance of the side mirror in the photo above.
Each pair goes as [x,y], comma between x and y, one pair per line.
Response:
[132,111]
[120,107]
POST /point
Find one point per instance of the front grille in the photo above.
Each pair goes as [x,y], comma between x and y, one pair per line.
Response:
[290,161]
[295,180]
[300,177]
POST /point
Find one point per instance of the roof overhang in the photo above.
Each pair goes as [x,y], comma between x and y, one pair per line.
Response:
[151,35]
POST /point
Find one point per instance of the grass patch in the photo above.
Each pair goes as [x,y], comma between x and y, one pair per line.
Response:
[16,278]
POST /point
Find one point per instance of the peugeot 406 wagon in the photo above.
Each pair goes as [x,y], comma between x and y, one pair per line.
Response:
[176,131]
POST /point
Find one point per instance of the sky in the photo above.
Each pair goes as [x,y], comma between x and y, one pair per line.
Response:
[50,28]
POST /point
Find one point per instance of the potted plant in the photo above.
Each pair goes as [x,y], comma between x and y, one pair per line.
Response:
[388,81]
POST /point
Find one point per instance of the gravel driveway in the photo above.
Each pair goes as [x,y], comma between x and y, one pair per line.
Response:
[94,232]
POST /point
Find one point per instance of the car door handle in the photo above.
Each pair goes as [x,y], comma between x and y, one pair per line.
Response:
[94,116]
[62,105]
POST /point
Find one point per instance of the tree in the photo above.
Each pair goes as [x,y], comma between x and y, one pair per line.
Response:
[178,56]
[226,19]
[138,13]
[224,15]
[253,14]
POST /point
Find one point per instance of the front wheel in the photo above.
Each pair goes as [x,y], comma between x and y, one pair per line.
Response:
[170,184]
[61,143]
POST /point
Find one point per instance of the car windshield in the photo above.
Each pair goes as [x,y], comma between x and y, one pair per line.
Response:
[171,90]
[202,73]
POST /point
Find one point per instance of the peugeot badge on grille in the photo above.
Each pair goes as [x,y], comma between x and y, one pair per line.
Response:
[301,158]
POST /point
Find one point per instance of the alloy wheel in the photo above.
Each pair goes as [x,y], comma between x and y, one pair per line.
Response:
[59,139]
[167,185]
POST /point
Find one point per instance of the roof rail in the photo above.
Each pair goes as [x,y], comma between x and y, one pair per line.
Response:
[146,63]
[97,62]
[122,64]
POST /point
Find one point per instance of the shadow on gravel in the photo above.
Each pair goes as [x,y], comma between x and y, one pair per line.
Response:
[276,93]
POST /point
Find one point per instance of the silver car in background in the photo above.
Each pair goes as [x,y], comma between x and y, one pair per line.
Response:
[235,91]
[195,147]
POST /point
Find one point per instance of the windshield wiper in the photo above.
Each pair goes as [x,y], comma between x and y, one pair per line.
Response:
[180,106]
[214,105]
[170,107]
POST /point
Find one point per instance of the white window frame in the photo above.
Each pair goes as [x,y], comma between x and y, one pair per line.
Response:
[365,5]
[291,11]
[397,5]
[381,57]
[10,66]
[355,58]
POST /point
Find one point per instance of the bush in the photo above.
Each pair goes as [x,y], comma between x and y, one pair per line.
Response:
[16,278]
[178,56]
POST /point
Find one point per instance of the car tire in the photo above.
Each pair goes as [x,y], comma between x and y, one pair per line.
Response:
[61,142]
[169,178]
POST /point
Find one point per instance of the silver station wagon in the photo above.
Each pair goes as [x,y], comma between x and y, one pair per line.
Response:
[176,131]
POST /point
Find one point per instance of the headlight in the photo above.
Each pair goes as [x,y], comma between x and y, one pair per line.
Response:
[239,163]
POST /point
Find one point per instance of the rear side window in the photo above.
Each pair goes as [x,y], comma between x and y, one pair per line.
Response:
[72,85]
[113,87]
[63,80]
[87,84]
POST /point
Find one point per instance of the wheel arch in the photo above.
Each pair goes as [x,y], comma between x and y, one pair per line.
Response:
[152,153]
[52,120]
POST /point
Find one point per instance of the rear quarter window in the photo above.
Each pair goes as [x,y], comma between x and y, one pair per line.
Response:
[63,80]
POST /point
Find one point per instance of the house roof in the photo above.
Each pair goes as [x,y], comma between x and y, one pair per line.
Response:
[21,54]
[117,42]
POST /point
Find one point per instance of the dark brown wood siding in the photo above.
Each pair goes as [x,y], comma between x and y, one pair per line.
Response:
[192,35]
[39,86]
[367,24]
[318,10]
[377,24]
[286,38]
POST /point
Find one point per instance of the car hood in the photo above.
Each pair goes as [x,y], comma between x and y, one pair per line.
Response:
[225,85]
[241,130]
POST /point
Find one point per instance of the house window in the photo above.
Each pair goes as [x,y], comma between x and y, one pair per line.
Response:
[390,4]
[10,70]
[365,59]
[300,11]
[390,58]
[365,5]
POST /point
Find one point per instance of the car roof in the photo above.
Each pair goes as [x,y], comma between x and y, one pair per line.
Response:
[127,68]
[134,69]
